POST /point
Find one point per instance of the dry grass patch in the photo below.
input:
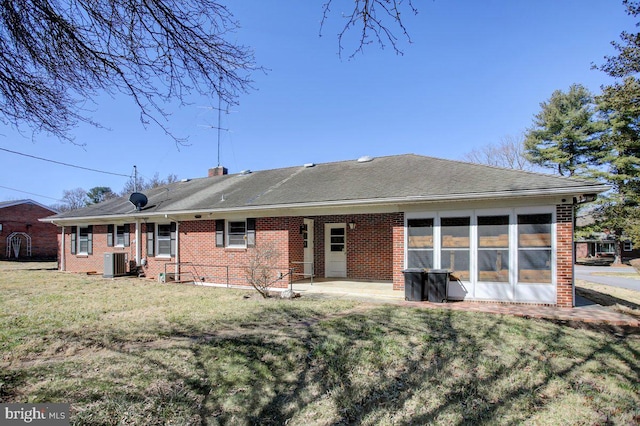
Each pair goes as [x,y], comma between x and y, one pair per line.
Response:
[131,351]
[621,299]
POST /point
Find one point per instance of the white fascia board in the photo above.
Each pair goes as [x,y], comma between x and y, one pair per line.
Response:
[268,210]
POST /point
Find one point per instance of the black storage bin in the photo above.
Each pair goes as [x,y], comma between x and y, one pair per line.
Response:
[414,284]
[437,285]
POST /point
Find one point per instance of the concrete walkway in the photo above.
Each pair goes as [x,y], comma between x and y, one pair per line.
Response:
[382,292]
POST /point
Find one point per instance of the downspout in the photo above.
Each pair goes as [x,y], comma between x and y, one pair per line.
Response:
[62,254]
[177,271]
[138,240]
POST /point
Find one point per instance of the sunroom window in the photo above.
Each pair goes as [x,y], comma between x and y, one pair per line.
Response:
[455,249]
[534,248]
[493,249]
[420,244]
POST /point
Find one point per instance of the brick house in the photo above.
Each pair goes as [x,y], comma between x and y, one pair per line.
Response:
[506,235]
[22,235]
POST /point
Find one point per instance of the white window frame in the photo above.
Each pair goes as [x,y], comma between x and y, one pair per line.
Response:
[512,212]
[158,239]
[431,249]
[627,245]
[553,247]
[116,233]
[229,244]
[80,239]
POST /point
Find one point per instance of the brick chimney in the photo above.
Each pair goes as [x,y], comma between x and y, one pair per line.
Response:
[218,171]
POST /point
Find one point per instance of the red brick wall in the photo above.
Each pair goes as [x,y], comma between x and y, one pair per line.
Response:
[296,246]
[24,218]
[95,262]
[202,260]
[564,229]
[370,246]
[398,251]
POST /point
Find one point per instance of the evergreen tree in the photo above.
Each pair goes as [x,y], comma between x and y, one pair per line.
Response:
[565,132]
[619,160]
[99,194]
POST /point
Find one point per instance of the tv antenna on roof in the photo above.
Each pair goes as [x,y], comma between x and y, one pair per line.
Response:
[218,127]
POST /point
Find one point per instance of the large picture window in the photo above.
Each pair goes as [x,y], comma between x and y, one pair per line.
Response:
[420,243]
[534,248]
[500,247]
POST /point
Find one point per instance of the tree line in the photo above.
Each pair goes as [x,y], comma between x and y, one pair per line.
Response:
[77,198]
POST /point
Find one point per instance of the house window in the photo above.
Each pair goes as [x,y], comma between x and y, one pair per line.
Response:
[166,240]
[337,239]
[420,244]
[627,246]
[82,240]
[121,237]
[534,248]
[455,249]
[493,249]
[236,234]
[605,248]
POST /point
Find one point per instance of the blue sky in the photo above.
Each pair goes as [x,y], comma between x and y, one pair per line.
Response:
[475,72]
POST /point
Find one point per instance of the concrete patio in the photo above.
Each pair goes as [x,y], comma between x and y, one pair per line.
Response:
[382,292]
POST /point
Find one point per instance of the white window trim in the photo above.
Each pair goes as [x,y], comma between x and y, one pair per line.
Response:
[78,241]
[227,242]
[157,242]
[473,246]
[115,235]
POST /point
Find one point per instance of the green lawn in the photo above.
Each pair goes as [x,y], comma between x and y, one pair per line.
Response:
[130,351]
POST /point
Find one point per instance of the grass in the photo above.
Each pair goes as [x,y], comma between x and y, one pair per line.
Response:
[130,351]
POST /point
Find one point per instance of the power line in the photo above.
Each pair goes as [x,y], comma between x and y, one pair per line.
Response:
[64,164]
[30,193]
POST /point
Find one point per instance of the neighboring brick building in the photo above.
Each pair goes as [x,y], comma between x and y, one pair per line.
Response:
[22,235]
[505,235]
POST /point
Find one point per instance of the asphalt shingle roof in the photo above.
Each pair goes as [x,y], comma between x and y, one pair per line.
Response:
[384,179]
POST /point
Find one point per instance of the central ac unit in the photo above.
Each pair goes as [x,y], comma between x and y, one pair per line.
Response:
[115,265]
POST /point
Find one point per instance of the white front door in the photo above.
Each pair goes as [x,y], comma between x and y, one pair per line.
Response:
[335,243]
[308,248]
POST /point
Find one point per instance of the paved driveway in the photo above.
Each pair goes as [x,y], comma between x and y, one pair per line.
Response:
[592,274]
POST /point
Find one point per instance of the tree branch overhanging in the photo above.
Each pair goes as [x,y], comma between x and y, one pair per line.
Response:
[377,21]
[54,56]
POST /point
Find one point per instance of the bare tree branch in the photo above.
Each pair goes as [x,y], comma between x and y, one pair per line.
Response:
[508,153]
[55,56]
[375,19]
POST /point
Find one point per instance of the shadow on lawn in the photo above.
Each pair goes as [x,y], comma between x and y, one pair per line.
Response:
[362,367]
[380,365]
